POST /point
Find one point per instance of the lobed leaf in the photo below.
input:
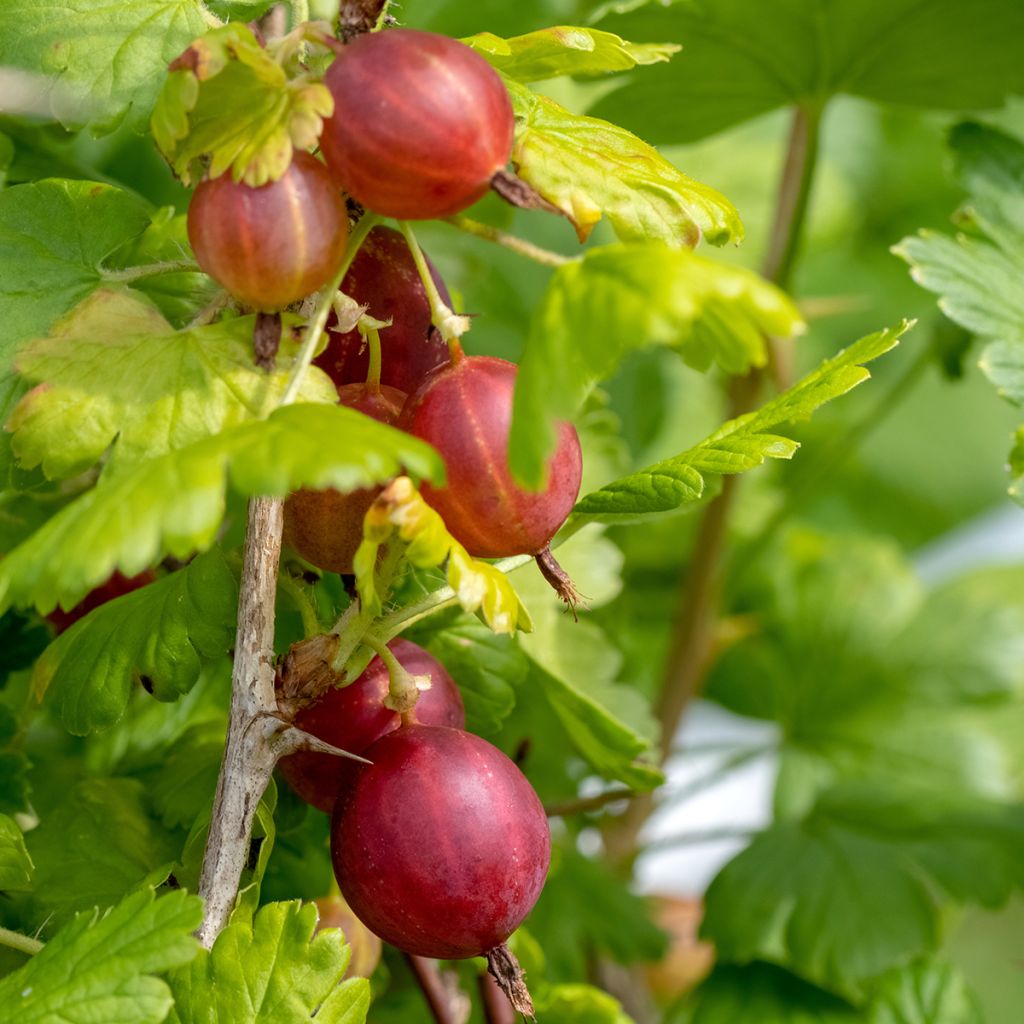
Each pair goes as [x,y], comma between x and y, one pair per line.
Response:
[162,632]
[924,993]
[566,50]
[98,63]
[590,169]
[15,863]
[96,845]
[102,967]
[618,298]
[174,504]
[271,970]
[228,105]
[745,57]
[738,445]
[477,585]
[114,370]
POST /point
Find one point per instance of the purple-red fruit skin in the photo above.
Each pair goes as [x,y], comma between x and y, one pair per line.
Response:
[326,527]
[354,717]
[464,410]
[383,277]
[421,123]
[273,245]
[441,846]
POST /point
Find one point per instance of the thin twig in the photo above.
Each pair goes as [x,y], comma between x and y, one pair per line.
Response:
[428,977]
[513,242]
[250,754]
[316,324]
[496,1006]
[699,837]
[128,274]
[22,943]
[582,804]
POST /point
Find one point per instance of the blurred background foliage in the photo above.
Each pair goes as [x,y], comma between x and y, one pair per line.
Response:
[877,678]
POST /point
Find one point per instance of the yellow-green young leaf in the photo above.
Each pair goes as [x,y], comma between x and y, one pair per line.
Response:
[229,100]
[15,863]
[104,967]
[272,970]
[590,169]
[114,368]
[738,445]
[621,297]
[174,504]
[566,50]
[162,632]
[400,509]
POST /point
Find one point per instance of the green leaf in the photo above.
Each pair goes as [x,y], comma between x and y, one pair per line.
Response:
[977,276]
[855,887]
[96,845]
[174,504]
[867,675]
[14,786]
[738,445]
[15,863]
[55,238]
[98,64]
[566,50]
[101,967]
[623,297]
[187,779]
[162,632]
[271,971]
[590,168]
[228,105]
[486,666]
[115,369]
[744,58]
[835,906]
[760,993]
[925,993]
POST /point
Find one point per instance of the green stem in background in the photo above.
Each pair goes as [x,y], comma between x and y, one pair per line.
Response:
[311,625]
[699,837]
[316,324]
[518,245]
[22,943]
[450,324]
[300,12]
[129,274]
[692,643]
[372,336]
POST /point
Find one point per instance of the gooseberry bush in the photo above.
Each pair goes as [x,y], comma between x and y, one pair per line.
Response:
[371,383]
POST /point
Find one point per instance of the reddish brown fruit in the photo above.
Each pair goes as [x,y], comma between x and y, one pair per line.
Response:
[354,717]
[441,846]
[273,245]
[117,586]
[464,410]
[383,277]
[326,527]
[421,123]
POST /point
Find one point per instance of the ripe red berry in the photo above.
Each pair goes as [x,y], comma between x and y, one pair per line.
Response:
[117,586]
[383,277]
[441,846]
[464,410]
[354,717]
[325,527]
[272,245]
[421,123]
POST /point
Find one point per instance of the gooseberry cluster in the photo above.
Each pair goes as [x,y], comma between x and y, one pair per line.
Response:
[439,844]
